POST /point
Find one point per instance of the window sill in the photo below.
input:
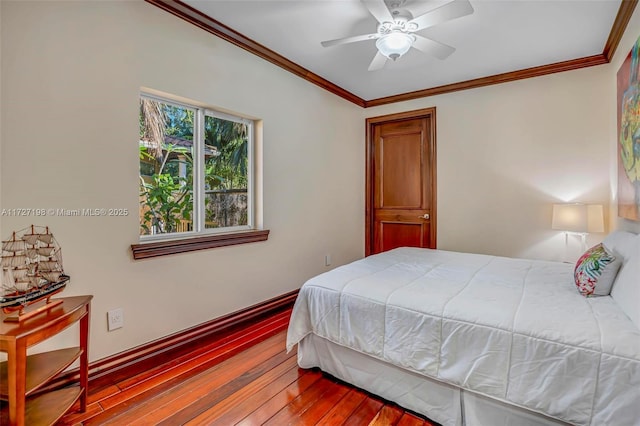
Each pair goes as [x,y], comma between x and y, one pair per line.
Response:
[164,248]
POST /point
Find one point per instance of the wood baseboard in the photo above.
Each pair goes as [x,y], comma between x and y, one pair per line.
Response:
[141,358]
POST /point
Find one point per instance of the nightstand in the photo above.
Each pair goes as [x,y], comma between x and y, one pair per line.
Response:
[22,375]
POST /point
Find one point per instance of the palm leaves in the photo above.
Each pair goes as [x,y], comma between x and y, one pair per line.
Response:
[229,169]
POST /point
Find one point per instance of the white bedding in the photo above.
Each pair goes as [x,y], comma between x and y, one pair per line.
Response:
[510,329]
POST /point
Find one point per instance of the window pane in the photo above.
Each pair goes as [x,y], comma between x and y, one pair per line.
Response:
[226,172]
[166,167]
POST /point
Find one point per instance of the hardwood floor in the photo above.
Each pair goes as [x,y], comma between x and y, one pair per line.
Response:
[244,378]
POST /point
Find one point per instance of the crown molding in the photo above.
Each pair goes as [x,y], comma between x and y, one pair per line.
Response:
[619,26]
[573,64]
[197,18]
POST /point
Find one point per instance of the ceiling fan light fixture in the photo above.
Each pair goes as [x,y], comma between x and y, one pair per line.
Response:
[395,44]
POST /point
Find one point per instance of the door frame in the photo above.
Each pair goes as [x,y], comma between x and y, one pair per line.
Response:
[426,113]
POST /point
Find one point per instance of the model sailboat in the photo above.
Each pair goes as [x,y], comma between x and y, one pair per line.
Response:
[31,268]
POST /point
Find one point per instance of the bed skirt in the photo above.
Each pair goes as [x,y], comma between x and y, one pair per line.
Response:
[440,402]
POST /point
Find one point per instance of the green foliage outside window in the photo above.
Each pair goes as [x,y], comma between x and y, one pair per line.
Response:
[166,199]
[166,170]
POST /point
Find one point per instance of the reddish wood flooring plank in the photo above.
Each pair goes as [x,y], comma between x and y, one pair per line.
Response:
[200,384]
[365,412]
[411,420]
[270,407]
[133,397]
[294,377]
[201,363]
[273,367]
[340,412]
[313,414]
[169,354]
[388,415]
[93,406]
[237,405]
[102,394]
[292,411]
[253,334]
[74,417]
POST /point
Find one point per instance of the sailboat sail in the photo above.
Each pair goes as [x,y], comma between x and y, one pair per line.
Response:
[46,251]
[13,245]
[31,239]
[13,260]
[20,273]
[45,238]
[48,265]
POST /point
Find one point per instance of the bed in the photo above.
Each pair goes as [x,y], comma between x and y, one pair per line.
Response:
[469,339]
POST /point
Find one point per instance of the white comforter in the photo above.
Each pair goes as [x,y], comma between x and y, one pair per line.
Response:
[511,329]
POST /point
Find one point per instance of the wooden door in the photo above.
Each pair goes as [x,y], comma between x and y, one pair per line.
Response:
[401,181]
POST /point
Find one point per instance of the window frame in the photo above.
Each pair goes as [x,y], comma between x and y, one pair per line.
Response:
[201,237]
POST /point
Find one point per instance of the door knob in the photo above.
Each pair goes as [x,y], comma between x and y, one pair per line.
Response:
[425,216]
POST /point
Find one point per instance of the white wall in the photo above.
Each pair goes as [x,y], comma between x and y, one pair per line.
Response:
[506,153]
[626,43]
[71,75]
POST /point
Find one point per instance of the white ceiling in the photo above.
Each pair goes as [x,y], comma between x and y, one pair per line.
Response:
[500,36]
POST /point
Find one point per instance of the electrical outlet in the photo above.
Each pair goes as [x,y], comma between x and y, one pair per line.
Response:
[115,319]
[327,260]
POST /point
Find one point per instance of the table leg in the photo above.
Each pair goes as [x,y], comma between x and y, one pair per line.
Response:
[84,357]
[17,381]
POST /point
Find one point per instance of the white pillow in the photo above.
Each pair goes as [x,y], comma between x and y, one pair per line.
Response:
[626,287]
[621,243]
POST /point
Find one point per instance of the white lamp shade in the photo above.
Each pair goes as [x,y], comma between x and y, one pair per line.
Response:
[569,217]
[578,218]
[394,45]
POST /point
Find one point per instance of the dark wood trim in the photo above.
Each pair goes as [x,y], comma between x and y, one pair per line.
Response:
[164,248]
[209,24]
[429,113]
[368,188]
[619,25]
[573,64]
[140,358]
[405,115]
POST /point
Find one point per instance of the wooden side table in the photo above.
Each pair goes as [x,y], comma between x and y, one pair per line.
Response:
[21,375]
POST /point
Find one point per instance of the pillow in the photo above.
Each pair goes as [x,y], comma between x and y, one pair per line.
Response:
[620,243]
[595,271]
[626,288]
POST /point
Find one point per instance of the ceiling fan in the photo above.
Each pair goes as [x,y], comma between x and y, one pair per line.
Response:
[397,28]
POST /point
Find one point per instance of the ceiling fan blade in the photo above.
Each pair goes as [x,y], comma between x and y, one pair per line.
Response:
[453,10]
[378,62]
[432,47]
[379,10]
[346,40]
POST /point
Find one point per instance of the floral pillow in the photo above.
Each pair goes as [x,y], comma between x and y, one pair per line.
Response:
[595,271]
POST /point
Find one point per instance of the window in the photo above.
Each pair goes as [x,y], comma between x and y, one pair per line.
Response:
[196,171]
